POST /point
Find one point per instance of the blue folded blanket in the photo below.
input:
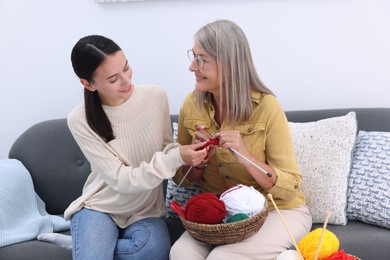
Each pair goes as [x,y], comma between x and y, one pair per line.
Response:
[22,213]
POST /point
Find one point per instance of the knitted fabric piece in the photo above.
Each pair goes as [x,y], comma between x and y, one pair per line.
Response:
[22,213]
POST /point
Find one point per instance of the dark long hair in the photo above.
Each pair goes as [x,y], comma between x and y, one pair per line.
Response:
[87,55]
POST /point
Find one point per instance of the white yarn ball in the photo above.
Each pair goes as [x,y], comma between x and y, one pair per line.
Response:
[288,255]
[242,199]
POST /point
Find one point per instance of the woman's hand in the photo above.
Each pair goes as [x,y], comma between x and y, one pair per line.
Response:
[201,134]
[193,154]
[232,140]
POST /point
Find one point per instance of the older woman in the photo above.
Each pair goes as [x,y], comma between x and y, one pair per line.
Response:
[230,103]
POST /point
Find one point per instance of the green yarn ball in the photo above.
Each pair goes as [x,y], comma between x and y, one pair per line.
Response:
[237,217]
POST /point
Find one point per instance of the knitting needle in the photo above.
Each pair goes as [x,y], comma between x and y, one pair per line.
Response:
[285,225]
[322,234]
[238,153]
[258,167]
[242,156]
[177,187]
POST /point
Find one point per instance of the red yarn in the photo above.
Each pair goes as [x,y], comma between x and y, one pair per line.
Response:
[205,208]
[340,255]
[210,142]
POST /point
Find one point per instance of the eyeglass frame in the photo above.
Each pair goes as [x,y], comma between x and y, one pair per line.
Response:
[200,61]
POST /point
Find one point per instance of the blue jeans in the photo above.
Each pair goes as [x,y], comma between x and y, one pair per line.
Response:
[96,236]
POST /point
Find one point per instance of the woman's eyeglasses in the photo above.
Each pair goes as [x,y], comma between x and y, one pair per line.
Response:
[199,59]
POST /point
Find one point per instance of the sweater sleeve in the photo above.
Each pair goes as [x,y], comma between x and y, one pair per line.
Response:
[184,138]
[120,174]
[168,124]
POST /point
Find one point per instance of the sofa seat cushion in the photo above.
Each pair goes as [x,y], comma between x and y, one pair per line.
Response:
[35,249]
[362,240]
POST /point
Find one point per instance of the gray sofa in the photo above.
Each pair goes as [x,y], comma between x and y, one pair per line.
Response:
[59,170]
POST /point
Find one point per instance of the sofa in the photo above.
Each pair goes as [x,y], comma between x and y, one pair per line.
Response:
[59,169]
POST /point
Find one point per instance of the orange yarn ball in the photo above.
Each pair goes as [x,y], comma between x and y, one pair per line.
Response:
[308,245]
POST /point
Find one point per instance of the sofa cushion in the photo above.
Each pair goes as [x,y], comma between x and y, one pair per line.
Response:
[179,194]
[35,250]
[360,239]
[323,151]
[369,183]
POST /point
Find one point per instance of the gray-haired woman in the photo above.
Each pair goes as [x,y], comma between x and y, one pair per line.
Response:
[231,103]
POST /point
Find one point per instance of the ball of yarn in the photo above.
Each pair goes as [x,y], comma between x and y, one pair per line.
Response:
[237,217]
[205,208]
[242,199]
[288,255]
[308,244]
[341,255]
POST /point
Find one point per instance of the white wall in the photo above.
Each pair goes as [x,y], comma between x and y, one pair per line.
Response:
[313,54]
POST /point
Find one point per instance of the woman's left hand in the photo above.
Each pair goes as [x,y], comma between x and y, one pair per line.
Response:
[232,140]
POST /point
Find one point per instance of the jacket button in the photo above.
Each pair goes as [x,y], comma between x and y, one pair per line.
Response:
[296,187]
[227,177]
[219,165]
[249,130]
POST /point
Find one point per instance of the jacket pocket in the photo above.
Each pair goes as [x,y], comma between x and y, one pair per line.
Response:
[191,123]
[253,135]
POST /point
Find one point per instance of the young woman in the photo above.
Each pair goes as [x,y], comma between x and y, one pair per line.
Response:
[124,131]
[230,103]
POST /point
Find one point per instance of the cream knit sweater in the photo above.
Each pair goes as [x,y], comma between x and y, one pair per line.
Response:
[127,173]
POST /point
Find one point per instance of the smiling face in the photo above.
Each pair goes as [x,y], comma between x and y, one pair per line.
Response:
[206,78]
[112,80]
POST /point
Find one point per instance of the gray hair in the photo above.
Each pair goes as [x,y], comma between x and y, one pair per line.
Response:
[226,42]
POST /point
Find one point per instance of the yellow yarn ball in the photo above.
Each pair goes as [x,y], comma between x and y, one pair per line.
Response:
[308,245]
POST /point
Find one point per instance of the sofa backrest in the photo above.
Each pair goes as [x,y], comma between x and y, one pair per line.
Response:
[59,168]
[369,119]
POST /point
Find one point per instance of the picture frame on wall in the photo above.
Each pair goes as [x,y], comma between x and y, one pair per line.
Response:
[117,1]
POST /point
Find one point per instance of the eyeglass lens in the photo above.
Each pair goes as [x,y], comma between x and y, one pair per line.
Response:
[199,60]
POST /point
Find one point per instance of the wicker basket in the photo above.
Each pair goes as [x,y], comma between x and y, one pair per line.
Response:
[226,233]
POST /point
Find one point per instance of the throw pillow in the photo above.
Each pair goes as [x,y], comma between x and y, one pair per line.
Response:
[178,194]
[323,151]
[174,131]
[369,183]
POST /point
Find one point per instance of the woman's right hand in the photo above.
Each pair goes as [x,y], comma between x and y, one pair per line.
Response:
[193,154]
